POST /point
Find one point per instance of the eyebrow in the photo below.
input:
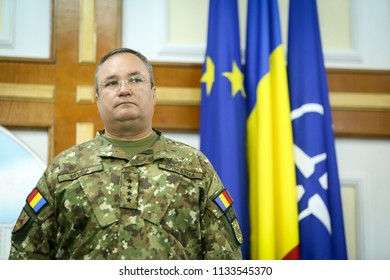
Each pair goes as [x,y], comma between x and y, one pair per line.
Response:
[110,77]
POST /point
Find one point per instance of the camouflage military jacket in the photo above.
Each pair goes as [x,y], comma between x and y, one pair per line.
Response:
[94,202]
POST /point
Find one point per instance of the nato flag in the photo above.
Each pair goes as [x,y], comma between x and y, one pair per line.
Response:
[321,225]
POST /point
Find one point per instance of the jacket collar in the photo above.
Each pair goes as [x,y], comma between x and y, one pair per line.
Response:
[156,152]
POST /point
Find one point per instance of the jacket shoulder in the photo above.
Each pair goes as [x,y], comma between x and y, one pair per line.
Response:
[77,157]
[182,150]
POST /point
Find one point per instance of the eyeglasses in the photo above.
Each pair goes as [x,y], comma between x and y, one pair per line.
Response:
[133,81]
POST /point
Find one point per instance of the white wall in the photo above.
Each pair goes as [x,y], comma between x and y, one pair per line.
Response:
[365,164]
[21,23]
[355,33]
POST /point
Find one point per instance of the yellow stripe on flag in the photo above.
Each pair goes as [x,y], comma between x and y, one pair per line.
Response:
[35,200]
[273,202]
[224,200]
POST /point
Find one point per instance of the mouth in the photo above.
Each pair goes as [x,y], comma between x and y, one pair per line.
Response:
[124,103]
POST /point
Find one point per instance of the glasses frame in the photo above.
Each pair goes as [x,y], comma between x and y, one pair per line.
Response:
[134,82]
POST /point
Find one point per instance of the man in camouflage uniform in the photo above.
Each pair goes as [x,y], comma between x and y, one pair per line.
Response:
[130,193]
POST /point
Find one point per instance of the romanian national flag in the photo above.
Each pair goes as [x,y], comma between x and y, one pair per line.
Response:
[272,182]
[223,108]
[320,212]
[36,200]
[224,200]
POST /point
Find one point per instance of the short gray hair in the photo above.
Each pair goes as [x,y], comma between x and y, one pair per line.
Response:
[118,51]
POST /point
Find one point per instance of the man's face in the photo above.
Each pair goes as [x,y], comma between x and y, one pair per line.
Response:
[125,94]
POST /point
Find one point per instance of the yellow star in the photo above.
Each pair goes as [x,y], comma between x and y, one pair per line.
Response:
[237,79]
[209,75]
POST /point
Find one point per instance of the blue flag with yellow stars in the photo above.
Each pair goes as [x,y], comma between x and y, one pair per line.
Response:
[223,107]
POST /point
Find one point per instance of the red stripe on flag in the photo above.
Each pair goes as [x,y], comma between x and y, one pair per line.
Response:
[293,254]
[32,195]
[227,197]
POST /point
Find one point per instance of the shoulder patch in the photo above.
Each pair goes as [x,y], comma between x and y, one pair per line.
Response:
[24,217]
[36,200]
[223,200]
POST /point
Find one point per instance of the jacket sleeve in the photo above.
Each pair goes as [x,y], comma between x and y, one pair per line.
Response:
[221,234]
[33,234]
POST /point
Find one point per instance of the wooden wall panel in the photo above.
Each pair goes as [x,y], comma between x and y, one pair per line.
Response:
[72,81]
[360,122]
[70,73]
[177,75]
[64,72]
[359,80]
[27,72]
[176,118]
[26,114]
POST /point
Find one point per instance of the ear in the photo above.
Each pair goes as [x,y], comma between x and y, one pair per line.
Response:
[97,100]
[154,95]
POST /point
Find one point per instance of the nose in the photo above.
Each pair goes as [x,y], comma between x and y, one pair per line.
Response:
[124,87]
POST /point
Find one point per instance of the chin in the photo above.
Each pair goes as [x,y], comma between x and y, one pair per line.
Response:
[126,113]
[126,117]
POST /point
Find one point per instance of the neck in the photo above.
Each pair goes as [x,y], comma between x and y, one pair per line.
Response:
[128,135]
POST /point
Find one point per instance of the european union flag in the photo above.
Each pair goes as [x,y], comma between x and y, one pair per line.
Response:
[321,225]
[223,107]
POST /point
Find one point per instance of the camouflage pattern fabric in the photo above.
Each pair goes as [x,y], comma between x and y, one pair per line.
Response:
[101,204]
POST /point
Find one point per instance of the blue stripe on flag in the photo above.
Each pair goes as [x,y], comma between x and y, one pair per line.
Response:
[39,205]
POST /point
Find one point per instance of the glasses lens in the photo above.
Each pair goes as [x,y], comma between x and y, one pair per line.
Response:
[133,82]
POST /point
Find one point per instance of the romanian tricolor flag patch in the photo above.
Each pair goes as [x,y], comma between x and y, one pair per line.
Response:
[224,200]
[36,200]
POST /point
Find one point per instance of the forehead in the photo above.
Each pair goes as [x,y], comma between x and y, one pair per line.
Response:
[122,64]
